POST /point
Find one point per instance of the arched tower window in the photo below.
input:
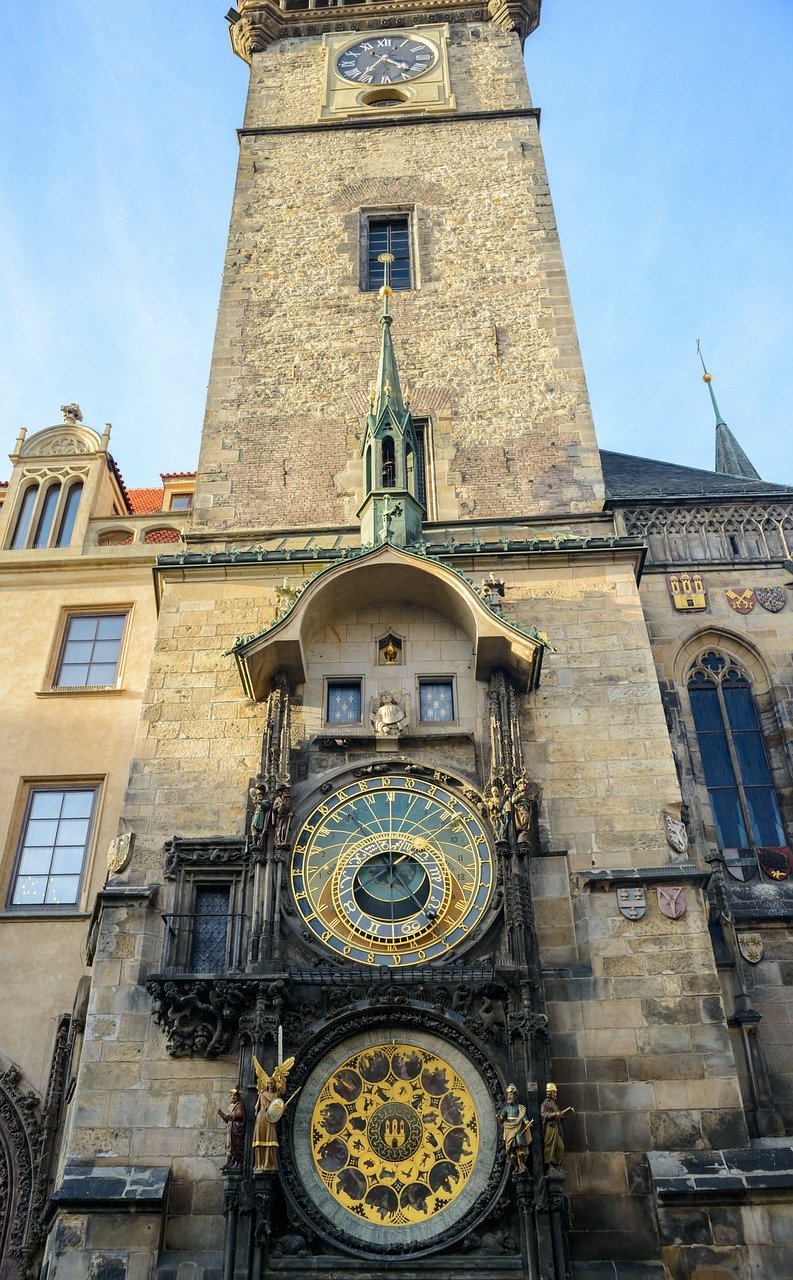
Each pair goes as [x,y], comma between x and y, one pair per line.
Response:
[389,463]
[369,470]
[23,519]
[48,509]
[69,515]
[745,808]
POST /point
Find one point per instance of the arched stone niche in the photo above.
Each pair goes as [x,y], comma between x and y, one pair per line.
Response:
[377,578]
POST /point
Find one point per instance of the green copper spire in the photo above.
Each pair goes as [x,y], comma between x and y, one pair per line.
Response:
[387,391]
[391,510]
[730,457]
[708,379]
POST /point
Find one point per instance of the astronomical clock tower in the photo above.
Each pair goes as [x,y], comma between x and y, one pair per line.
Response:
[402,793]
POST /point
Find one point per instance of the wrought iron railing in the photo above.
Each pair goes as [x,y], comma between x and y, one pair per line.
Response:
[203,943]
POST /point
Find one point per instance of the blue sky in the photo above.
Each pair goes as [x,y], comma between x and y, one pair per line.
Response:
[666,129]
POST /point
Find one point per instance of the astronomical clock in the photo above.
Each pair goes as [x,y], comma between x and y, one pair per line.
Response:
[393,870]
[393,1142]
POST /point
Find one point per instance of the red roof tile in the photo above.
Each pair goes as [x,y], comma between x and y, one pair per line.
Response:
[162,535]
[145,502]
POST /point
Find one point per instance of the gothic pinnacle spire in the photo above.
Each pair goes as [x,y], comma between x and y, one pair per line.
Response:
[387,392]
[730,457]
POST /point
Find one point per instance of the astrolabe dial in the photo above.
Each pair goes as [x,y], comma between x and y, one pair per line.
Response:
[392,870]
[394,1134]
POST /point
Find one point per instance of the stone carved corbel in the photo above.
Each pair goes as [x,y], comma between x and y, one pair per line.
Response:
[199,1017]
[252,35]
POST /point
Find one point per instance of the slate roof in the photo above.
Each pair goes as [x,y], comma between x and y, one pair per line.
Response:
[629,479]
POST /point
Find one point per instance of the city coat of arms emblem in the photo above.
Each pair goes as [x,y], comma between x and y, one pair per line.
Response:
[740,601]
[687,590]
[775,861]
[672,902]
[119,853]
[771,598]
[632,903]
[676,833]
[751,947]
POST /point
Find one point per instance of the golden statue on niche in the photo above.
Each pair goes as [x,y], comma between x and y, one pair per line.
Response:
[269,1109]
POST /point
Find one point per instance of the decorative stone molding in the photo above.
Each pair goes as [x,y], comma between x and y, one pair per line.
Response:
[261,22]
[20,1157]
[68,438]
[730,532]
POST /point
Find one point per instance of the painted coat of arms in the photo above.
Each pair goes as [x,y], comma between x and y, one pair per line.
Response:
[632,903]
[740,601]
[676,833]
[119,853]
[775,861]
[771,598]
[751,947]
[688,590]
[672,902]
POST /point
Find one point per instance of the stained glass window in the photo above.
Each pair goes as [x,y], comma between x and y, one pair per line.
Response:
[91,649]
[344,702]
[54,841]
[737,774]
[436,700]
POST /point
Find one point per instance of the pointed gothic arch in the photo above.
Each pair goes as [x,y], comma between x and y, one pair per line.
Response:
[19,1160]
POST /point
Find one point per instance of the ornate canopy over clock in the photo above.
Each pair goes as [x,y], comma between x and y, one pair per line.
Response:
[392,870]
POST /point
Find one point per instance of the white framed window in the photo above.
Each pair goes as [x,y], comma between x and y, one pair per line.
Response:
[90,651]
[53,845]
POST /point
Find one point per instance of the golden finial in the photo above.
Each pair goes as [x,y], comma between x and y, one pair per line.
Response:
[385,290]
[707,377]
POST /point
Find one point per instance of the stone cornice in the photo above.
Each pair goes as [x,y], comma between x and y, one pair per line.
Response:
[259,23]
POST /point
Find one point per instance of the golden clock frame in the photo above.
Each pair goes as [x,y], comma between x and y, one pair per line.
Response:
[341,936]
[429,92]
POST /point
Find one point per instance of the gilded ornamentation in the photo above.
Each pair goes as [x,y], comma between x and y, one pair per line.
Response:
[688,590]
[751,947]
[741,601]
[516,1128]
[119,853]
[394,1134]
[392,870]
[551,1116]
[271,1090]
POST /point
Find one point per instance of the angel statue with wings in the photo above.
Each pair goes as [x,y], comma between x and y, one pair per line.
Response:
[269,1109]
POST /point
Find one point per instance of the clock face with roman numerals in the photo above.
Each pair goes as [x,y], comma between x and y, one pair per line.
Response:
[386,60]
[392,870]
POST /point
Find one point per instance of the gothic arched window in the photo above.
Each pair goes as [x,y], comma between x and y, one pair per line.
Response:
[745,808]
[389,463]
